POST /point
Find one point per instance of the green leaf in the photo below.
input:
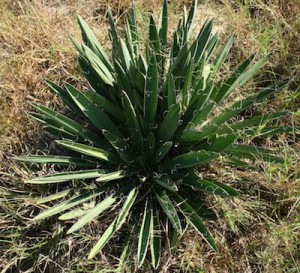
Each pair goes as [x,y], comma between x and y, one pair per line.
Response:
[252,152]
[186,85]
[238,107]
[191,130]
[94,212]
[72,202]
[76,213]
[194,219]
[91,111]
[104,103]
[98,66]
[190,159]
[253,121]
[163,151]
[57,160]
[54,196]
[132,122]
[113,32]
[154,38]
[90,151]
[91,41]
[223,54]
[163,23]
[238,78]
[192,180]
[67,124]
[200,44]
[169,124]
[121,146]
[218,144]
[64,95]
[125,56]
[155,239]
[168,208]
[66,176]
[166,182]
[151,93]
[116,224]
[114,175]
[145,232]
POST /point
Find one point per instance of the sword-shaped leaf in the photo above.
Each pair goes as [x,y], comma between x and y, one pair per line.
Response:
[163,151]
[91,41]
[166,181]
[91,111]
[145,232]
[155,240]
[132,122]
[151,93]
[57,160]
[169,124]
[168,208]
[116,224]
[72,202]
[252,152]
[54,196]
[69,125]
[104,103]
[90,151]
[197,183]
[187,160]
[66,176]
[94,212]
[163,23]
[114,175]
[193,217]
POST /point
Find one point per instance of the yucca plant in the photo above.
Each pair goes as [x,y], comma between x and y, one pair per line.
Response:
[153,113]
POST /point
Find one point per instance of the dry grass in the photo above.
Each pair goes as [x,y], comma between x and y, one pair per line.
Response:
[258,232]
